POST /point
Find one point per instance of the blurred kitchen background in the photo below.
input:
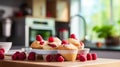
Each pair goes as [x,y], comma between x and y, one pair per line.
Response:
[95,22]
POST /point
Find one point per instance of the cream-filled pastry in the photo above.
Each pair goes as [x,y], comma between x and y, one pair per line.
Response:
[69,51]
[38,43]
[52,44]
[74,41]
[66,46]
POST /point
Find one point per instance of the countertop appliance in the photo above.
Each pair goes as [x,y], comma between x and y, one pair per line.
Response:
[13,30]
[24,30]
[35,26]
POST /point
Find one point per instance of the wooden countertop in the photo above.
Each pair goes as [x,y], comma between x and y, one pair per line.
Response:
[101,62]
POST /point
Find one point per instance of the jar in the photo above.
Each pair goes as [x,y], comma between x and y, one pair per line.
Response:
[63,34]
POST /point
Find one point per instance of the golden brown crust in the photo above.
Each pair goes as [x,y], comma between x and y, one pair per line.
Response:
[70,57]
[75,42]
[67,47]
[69,54]
[36,45]
[57,42]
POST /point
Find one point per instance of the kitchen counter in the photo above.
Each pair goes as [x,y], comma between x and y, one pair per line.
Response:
[97,63]
[103,48]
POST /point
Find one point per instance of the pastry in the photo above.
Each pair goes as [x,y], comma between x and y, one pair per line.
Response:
[74,41]
[68,51]
[52,43]
[58,41]
[66,46]
[38,43]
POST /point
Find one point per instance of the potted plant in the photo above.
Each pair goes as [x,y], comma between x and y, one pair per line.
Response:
[109,32]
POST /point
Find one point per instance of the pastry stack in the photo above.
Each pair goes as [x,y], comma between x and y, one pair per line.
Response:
[67,48]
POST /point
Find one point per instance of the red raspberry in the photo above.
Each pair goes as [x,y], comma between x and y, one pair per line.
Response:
[22,56]
[73,36]
[39,38]
[78,56]
[32,56]
[2,49]
[17,52]
[49,58]
[32,53]
[89,56]
[83,58]
[1,52]
[56,56]
[51,39]
[60,59]
[41,42]
[94,56]
[52,45]
[1,56]
[15,56]
[81,43]
[64,42]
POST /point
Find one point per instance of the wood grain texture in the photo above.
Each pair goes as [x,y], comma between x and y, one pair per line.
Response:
[97,63]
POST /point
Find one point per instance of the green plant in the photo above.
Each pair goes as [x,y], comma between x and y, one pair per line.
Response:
[105,31]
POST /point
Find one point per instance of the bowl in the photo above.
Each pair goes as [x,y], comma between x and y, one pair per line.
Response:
[69,55]
[6,46]
[50,53]
[84,51]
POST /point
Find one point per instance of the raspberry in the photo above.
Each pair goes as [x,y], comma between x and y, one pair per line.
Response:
[32,53]
[73,36]
[94,56]
[51,39]
[64,42]
[1,56]
[56,56]
[81,43]
[22,56]
[78,56]
[32,56]
[15,56]
[89,56]
[2,49]
[49,58]
[39,38]
[60,59]
[17,52]
[1,52]
[41,42]
[82,58]
[52,45]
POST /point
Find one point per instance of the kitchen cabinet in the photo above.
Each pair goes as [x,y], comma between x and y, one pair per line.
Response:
[58,9]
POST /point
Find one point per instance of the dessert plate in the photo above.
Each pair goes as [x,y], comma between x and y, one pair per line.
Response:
[41,51]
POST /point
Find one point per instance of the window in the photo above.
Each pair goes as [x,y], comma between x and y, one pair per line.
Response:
[97,12]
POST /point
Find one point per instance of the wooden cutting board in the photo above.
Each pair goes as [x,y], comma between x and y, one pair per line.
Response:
[101,62]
